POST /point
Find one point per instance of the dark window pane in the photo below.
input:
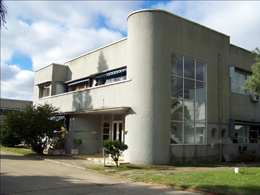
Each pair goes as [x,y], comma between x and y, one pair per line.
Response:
[189,68]
[200,91]
[200,71]
[176,65]
[177,87]
[189,91]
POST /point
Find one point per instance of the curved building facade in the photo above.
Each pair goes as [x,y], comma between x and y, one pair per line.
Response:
[167,91]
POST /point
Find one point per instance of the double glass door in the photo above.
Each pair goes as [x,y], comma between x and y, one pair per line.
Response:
[117,131]
[113,128]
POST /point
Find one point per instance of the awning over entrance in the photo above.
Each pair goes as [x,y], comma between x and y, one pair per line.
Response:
[233,122]
[115,110]
[57,118]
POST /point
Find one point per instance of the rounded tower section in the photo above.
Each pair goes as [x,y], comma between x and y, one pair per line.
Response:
[148,65]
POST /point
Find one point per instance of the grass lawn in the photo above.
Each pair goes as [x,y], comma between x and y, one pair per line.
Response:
[224,182]
[19,150]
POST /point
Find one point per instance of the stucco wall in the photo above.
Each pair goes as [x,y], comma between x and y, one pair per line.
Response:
[88,129]
[106,58]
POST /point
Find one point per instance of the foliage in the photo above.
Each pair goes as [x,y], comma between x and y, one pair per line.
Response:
[249,156]
[115,148]
[33,125]
[3,12]
[253,83]
[77,143]
[8,137]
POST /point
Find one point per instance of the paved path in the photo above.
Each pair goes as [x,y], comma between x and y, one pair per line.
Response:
[26,175]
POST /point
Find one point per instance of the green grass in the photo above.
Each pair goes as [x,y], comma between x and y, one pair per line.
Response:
[19,150]
[216,182]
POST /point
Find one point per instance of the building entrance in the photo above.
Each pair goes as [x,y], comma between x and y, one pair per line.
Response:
[117,131]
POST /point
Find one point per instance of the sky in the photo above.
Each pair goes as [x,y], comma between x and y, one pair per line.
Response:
[38,33]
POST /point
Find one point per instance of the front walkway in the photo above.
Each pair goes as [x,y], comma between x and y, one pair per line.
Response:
[100,158]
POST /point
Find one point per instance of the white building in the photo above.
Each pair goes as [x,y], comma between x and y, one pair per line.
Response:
[168,91]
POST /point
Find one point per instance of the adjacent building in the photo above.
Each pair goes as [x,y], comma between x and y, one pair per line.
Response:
[170,91]
[9,105]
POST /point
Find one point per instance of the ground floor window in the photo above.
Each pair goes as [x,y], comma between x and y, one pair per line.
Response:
[188,100]
[246,134]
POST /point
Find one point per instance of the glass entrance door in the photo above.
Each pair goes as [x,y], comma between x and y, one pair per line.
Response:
[117,131]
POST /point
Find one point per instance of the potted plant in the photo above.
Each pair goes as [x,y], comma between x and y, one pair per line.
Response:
[76,144]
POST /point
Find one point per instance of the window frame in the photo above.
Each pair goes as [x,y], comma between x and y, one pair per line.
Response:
[197,124]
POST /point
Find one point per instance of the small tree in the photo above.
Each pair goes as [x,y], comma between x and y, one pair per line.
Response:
[115,148]
[253,82]
[33,125]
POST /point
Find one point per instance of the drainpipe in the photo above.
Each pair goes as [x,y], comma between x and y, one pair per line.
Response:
[220,105]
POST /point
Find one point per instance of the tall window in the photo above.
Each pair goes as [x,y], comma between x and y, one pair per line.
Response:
[238,79]
[188,100]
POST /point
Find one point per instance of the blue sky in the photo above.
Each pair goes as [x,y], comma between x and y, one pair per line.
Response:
[41,32]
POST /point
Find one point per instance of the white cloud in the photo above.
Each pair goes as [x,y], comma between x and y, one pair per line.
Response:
[16,83]
[48,32]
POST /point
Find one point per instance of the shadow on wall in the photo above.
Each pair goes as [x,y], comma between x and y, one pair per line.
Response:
[102,63]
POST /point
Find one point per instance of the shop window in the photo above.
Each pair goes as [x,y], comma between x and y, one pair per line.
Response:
[188,100]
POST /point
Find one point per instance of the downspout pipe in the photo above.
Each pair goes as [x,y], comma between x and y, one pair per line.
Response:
[220,106]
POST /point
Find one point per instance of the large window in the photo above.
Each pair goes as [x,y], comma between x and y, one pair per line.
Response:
[188,100]
[238,78]
[246,134]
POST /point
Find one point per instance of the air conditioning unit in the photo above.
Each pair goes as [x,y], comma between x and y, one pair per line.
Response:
[255,98]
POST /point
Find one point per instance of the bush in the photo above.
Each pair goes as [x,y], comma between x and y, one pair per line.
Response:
[8,138]
[244,157]
[115,148]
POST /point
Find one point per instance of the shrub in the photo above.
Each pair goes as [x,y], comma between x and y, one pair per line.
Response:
[115,148]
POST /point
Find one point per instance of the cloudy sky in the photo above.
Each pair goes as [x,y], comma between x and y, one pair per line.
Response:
[38,33]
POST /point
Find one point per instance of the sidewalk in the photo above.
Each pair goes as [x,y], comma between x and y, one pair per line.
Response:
[81,161]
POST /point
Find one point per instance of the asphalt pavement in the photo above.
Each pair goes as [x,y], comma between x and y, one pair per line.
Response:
[66,175]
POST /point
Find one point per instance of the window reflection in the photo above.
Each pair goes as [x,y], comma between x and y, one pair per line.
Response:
[200,71]
[188,110]
[177,87]
[200,91]
[176,65]
[189,68]
[200,134]
[189,134]
[176,110]
[176,132]
[189,91]
[200,112]
[188,101]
